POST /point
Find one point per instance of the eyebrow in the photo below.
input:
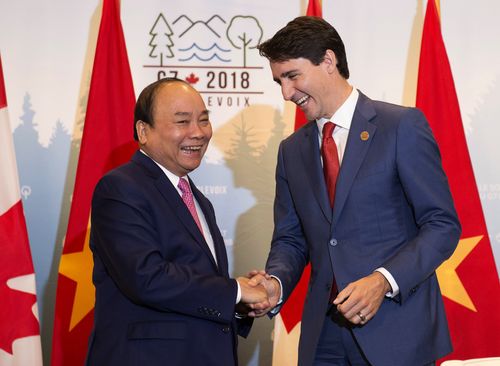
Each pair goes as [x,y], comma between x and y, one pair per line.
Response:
[184,114]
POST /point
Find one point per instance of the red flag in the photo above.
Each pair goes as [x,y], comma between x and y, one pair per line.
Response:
[107,141]
[19,330]
[286,326]
[468,280]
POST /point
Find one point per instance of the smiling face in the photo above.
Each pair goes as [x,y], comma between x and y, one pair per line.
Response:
[181,130]
[317,89]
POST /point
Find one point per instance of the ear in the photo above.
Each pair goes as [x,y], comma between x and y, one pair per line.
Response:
[330,61]
[141,128]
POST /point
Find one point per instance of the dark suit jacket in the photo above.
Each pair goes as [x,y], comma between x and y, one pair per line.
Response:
[160,297]
[393,209]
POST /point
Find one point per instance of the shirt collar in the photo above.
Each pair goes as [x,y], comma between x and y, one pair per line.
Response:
[171,176]
[343,116]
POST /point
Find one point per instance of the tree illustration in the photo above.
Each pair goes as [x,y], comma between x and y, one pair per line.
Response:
[244,32]
[161,44]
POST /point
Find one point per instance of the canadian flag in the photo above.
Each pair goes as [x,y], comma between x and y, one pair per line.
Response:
[19,328]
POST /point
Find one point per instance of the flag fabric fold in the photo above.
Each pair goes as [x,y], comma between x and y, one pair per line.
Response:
[107,142]
[287,323]
[469,280]
[20,330]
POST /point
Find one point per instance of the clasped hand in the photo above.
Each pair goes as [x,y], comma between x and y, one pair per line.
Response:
[260,293]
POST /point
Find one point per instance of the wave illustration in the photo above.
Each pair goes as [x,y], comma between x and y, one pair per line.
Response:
[194,55]
[194,45]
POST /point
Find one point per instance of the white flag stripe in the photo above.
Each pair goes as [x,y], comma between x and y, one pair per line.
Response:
[20,356]
[24,283]
[285,345]
[26,351]
[8,171]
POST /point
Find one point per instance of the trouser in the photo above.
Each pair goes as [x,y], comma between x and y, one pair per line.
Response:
[337,345]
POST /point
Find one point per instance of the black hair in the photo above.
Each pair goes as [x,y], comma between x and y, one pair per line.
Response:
[306,37]
[145,103]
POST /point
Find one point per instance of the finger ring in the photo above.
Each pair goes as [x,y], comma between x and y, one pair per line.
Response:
[361,316]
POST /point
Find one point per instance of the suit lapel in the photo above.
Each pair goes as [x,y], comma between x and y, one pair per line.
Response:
[219,246]
[355,151]
[311,157]
[171,195]
[174,199]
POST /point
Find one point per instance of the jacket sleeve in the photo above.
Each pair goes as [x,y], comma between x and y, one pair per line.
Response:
[289,254]
[427,192]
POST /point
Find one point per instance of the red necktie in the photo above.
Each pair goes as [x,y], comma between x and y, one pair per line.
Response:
[187,197]
[331,168]
[331,163]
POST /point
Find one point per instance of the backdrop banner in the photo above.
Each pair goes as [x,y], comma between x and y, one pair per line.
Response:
[48,54]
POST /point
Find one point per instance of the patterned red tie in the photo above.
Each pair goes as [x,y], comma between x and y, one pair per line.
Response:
[187,197]
[331,168]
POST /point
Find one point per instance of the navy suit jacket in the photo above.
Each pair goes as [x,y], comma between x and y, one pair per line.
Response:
[160,297]
[393,209]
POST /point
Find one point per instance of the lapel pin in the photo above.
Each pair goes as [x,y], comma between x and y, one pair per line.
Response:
[364,135]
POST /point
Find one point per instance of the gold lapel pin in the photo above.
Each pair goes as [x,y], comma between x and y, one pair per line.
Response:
[364,135]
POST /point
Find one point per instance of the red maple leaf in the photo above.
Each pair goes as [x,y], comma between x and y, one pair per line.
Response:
[192,79]
[16,316]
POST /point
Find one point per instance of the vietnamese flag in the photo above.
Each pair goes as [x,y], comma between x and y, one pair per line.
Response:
[19,328]
[107,142]
[468,280]
[287,323]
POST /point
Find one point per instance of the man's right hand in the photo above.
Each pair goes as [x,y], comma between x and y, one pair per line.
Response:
[254,297]
[273,288]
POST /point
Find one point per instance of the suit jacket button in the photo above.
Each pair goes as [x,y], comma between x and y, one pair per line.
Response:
[225,329]
[333,242]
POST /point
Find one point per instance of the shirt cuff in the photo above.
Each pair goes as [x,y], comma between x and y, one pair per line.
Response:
[277,308]
[238,295]
[391,280]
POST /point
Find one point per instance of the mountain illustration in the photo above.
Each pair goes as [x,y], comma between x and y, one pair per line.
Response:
[185,26]
[201,41]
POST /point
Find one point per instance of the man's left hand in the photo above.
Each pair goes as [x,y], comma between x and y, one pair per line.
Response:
[360,300]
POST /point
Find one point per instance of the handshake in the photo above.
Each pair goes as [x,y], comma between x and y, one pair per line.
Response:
[260,293]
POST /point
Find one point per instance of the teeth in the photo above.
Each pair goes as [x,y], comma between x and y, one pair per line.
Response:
[192,148]
[302,100]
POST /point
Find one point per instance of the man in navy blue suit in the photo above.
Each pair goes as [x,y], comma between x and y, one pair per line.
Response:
[374,230]
[163,292]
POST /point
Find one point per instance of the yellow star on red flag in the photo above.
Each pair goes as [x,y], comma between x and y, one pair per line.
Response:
[78,267]
[449,281]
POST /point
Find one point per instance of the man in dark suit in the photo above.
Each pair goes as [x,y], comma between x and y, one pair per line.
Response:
[365,200]
[163,292]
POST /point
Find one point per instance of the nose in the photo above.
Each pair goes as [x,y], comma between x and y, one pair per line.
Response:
[195,130]
[287,91]
[198,131]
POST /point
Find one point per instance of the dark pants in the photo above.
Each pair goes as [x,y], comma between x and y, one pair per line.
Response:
[337,345]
